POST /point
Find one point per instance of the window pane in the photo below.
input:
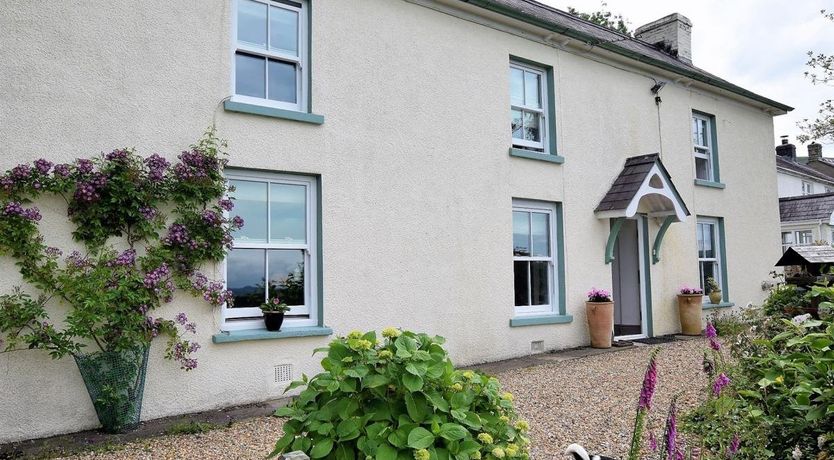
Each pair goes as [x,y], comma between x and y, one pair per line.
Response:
[532,131]
[250,204]
[532,89]
[699,132]
[708,243]
[516,125]
[288,211]
[787,238]
[245,277]
[521,233]
[521,283]
[286,276]
[517,86]
[541,234]
[282,81]
[249,75]
[700,233]
[702,169]
[708,270]
[283,30]
[251,22]
[539,283]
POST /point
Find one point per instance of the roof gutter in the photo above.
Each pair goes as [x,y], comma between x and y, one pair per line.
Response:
[530,19]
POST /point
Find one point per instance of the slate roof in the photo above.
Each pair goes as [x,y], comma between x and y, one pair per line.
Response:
[627,184]
[809,207]
[547,17]
[807,255]
[782,162]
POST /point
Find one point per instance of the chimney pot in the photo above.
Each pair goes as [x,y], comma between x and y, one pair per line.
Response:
[671,33]
[814,152]
[786,149]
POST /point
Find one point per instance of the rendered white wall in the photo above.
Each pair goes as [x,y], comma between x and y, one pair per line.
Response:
[791,185]
[416,180]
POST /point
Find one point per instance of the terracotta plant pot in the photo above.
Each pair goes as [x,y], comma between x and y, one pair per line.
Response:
[600,323]
[689,310]
[715,297]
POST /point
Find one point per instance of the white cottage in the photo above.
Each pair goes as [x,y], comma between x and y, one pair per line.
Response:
[373,159]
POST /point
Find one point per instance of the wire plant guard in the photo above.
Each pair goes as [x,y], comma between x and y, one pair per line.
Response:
[115,381]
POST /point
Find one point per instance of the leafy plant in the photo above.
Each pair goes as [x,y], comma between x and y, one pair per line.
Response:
[780,400]
[111,293]
[604,18]
[274,306]
[711,285]
[399,398]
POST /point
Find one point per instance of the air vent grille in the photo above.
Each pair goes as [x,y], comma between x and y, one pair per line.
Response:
[537,346]
[283,373]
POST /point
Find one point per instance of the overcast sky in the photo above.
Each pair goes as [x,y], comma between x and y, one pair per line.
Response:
[760,45]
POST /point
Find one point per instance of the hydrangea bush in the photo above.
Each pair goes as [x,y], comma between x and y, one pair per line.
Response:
[400,398]
[168,220]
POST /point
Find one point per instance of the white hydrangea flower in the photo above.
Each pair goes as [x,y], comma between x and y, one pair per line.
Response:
[796,454]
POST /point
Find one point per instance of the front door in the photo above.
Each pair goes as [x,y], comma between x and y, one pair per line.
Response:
[626,282]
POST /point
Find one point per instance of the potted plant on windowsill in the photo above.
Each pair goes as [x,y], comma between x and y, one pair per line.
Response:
[690,302]
[273,311]
[713,290]
[599,311]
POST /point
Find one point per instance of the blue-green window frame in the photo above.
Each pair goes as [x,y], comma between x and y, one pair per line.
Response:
[306,115]
[722,263]
[319,329]
[551,154]
[559,314]
[714,161]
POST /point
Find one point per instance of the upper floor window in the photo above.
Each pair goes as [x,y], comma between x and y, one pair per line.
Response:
[275,253]
[529,99]
[270,59]
[807,188]
[534,256]
[703,144]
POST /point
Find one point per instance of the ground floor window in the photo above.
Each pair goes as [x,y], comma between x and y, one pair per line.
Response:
[711,251]
[534,256]
[275,254]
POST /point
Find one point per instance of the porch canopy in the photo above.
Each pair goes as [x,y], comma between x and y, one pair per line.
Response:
[643,187]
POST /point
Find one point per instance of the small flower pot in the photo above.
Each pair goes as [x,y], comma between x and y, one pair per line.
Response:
[715,297]
[689,311]
[273,320]
[600,323]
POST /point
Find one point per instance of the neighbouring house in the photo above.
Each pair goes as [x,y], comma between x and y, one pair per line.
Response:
[806,201]
[375,168]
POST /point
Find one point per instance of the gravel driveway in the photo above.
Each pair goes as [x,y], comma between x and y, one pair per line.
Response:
[589,400]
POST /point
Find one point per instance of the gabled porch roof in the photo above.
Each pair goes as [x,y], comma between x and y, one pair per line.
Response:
[643,186]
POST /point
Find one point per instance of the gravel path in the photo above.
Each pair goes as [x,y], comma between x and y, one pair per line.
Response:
[589,400]
[592,401]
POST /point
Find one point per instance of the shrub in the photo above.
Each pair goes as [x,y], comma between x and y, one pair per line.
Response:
[399,398]
[780,398]
[784,300]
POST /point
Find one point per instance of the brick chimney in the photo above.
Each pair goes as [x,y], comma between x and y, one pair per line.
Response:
[672,34]
[787,150]
[814,152]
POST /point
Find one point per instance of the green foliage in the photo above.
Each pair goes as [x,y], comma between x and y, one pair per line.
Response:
[821,71]
[711,285]
[604,18]
[784,300]
[399,398]
[170,219]
[782,394]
